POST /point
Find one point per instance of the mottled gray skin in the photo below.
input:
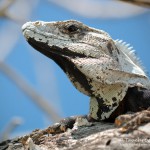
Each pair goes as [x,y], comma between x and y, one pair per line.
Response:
[97,65]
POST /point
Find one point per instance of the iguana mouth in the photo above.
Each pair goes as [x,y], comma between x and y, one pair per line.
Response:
[47,50]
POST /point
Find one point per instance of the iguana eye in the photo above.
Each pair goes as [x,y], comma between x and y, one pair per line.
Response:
[72,28]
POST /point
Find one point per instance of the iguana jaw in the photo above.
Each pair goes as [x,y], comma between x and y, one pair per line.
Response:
[53,50]
[63,60]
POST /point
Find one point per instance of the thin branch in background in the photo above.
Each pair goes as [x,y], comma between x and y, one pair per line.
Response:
[9,34]
[5,6]
[145,3]
[40,101]
[10,31]
[10,127]
[100,9]
[9,9]
[4,10]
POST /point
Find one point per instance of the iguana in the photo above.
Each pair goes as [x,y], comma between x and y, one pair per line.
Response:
[106,70]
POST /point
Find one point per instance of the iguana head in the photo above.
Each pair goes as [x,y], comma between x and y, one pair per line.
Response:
[73,35]
[61,41]
[68,41]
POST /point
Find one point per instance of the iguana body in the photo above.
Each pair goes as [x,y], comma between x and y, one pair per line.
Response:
[98,66]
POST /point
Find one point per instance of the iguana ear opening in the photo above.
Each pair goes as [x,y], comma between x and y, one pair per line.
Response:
[110,96]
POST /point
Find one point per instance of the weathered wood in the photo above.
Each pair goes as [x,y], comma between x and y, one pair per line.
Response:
[98,136]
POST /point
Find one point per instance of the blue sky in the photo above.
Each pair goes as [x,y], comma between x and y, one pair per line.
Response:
[28,62]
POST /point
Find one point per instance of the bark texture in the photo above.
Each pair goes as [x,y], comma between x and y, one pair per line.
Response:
[98,136]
